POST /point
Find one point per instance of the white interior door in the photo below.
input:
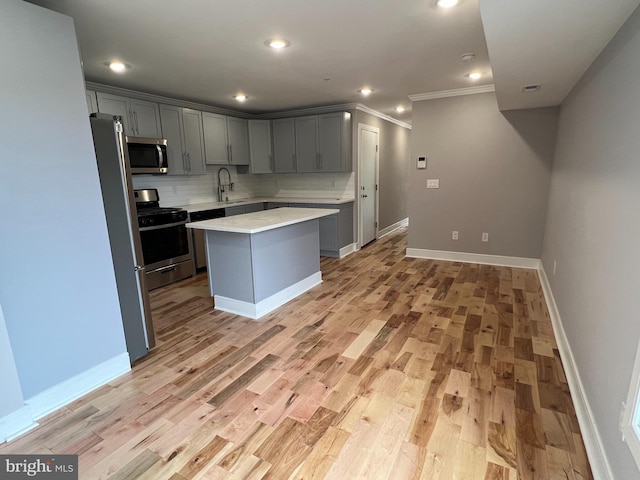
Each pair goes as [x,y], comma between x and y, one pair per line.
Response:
[367,191]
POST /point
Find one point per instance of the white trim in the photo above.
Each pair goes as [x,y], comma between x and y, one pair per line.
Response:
[347,250]
[376,130]
[73,388]
[518,262]
[375,113]
[457,92]
[631,412]
[16,423]
[590,434]
[393,227]
[343,252]
[257,310]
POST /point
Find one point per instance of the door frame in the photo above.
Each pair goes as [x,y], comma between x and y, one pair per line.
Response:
[376,130]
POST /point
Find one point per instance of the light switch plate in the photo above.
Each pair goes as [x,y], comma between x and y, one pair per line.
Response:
[422,162]
[433,183]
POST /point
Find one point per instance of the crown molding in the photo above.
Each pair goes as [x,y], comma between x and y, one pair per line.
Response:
[341,107]
[458,92]
[375,113]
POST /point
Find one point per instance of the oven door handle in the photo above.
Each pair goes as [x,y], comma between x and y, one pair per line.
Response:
[166,225]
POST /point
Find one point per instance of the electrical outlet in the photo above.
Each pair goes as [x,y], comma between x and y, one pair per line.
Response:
[454,235]
[485,236]
[433,183]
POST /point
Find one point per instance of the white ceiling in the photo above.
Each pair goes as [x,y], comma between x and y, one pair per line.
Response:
[206,51]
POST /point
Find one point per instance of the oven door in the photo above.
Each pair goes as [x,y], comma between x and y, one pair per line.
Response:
[167,252]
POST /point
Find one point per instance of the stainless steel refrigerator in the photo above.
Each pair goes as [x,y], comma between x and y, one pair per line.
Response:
[122,222]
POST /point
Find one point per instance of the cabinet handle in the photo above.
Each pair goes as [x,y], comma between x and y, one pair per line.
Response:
[184,161]
[135,115]
[188,162]
[230,153]
[271,164]
[293,161]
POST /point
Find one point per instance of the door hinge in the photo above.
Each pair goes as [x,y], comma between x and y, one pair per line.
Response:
[376,224]
[376,148]
[376,187]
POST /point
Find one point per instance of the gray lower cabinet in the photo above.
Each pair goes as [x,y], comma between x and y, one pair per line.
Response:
[336,231]
[237,210]
[272,205]
[182,128]
[254,207]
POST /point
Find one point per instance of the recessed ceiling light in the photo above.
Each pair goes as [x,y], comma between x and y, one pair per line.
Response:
[366,91]
[447,3]
[400,109]
[117,67]
[277,43]
[240,97]
[474,75]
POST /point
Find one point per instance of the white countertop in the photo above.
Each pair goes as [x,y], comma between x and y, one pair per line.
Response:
[262,221]
[198,207]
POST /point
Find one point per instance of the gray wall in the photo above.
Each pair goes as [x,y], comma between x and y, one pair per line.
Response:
[593,233]
[394,176]
[494,170]
[57,286]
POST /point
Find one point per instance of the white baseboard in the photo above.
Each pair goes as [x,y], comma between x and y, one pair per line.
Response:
[257,310]
[348,250]
[391,228]
[69,390]
[518,262]
[590,434]
[16,423]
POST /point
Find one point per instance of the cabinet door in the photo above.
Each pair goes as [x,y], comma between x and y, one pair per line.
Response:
[238,138]
[307,143]
[215,139]
[284,145]
[116,105]
[231,211]
[260,146]
[193,141]
[331,142]
[92,101]
[171,121]
[146,117]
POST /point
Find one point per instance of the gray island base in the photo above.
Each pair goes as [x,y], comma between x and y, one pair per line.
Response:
[259,261]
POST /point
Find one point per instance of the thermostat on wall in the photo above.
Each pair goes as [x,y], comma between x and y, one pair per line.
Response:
[422,162]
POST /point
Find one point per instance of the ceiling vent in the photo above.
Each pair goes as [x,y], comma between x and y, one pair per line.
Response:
[531,88]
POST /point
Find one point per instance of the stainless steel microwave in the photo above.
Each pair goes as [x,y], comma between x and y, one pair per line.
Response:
[147,155]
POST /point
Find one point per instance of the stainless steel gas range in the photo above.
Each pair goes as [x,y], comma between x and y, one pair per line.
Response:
[166,243]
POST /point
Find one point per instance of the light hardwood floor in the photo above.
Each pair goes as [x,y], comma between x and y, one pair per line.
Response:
[393,368]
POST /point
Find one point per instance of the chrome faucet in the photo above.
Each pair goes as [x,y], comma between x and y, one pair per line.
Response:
[222,186]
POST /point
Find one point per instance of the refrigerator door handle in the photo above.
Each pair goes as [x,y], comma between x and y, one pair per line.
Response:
[137,268]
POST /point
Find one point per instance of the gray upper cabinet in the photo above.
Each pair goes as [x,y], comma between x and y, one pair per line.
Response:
[92,101]
[226,140]
[182,128]
[307,153]
[216,151]
[284,145]
[194,140]
[260,158]
[334,142]
[238,137]
[141,118]
[323,142]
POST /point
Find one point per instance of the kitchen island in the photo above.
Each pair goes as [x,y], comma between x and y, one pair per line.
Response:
[259,261]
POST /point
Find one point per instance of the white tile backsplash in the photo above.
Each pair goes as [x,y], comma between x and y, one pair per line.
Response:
[188,190]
